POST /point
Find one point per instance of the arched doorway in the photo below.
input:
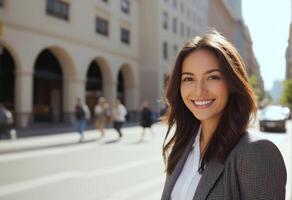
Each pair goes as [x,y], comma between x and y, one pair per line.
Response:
[94,85]
[121,87]
[7,78]
[47,88]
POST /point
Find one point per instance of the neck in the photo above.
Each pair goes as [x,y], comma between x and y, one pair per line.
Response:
[207,131]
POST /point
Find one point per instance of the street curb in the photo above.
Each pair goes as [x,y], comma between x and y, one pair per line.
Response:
[57,140]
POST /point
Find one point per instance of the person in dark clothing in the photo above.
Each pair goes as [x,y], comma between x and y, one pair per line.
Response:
[119,116]
[81,115]
[146,120]
[6,122]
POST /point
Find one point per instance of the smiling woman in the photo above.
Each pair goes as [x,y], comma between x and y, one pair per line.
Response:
[211,155]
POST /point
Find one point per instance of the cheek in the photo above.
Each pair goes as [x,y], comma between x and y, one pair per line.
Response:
[223,90]
[183,92]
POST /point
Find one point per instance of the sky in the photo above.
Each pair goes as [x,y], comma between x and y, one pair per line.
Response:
[268,22]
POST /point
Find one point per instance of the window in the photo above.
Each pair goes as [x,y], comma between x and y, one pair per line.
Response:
[189,32]
[58,9]
[165,20]
[105,1]
[125,36]
[174,25]
[174,3]
[182,29]
[175,49]
[165,51]
[125,6]
[182,8]
[1,3]
[101,26]
[188,14]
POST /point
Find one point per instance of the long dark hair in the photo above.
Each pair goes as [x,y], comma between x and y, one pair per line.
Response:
[239,110]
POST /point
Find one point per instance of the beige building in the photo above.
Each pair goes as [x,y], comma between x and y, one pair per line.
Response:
[165,26]
[226,17]
[289,54]
[51,54]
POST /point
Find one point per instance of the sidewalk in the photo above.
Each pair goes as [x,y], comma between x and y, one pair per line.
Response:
[42,129]
[50,140]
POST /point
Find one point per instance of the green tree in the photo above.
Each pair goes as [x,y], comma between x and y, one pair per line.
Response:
[286,98]
[254,83]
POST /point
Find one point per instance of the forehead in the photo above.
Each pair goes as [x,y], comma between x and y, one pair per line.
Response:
[200,61]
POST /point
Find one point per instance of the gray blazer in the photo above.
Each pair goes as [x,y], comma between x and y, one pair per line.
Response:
[254,170]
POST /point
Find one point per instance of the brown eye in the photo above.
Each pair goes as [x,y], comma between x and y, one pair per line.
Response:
[214,77]
[186,79]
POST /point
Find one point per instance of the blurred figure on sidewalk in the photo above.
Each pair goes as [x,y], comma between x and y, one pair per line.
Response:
[81,115]
[6,122]
[146,120]
[119,116]
[101,112]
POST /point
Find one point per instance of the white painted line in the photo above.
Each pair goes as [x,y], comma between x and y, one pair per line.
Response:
[73,174]
[132,192]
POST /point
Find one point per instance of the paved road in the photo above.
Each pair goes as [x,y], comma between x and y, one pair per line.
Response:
[103,169]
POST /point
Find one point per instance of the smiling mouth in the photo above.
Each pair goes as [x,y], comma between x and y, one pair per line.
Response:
[203,103]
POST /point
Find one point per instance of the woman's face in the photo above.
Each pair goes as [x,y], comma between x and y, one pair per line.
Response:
[203,88]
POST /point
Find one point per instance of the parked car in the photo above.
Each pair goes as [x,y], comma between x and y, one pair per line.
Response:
[287,112]
[273,117]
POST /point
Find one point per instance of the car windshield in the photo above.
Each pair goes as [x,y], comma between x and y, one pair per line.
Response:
[274,112]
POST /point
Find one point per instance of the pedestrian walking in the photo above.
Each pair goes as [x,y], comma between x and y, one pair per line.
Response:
[146,120]
[119,116]
[82,114]
[101,112]
[6,122]
[210,154]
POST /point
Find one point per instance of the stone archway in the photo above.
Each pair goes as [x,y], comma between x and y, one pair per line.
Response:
[94,85]
[126,86]
[7,79]
[47,88]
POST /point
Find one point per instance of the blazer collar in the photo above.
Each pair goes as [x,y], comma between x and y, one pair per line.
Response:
[209,177]
[171,179]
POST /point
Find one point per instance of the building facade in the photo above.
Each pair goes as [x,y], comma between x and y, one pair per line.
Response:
[51,54]
[165,25]
[289,53]
[226,17]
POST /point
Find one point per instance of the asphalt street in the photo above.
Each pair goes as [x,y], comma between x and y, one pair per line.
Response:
[59,167]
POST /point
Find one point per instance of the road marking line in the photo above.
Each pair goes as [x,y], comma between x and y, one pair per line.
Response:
[137,189]
[73,174]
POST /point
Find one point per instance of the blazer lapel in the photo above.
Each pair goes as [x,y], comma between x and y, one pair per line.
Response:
[210,175]
[171,179]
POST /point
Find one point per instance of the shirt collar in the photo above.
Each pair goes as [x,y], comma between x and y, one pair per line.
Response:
[198,136]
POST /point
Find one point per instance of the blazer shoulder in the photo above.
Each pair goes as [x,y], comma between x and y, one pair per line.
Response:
[252,147]
[259,162]
[250,143]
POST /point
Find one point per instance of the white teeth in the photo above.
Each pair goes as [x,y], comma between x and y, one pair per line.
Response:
[202,103]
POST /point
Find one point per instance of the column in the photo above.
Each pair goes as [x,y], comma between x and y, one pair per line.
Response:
[23,97]
[73,89]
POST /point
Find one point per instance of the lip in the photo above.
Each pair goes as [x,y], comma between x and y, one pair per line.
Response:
[202,103]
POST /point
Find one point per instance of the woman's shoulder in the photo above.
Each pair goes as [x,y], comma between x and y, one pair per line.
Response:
[252,143]
[254,150]
[259,168]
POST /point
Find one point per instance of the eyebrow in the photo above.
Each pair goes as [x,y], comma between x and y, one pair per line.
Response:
[207,72]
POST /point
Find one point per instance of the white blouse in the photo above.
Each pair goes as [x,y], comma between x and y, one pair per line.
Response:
[187,182]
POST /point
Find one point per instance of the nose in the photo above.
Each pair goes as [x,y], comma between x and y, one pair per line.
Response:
[200,88]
